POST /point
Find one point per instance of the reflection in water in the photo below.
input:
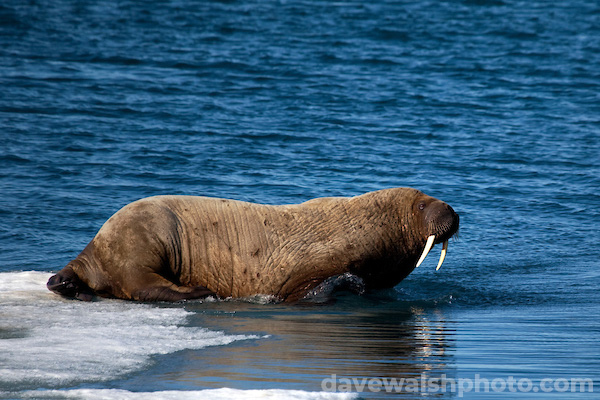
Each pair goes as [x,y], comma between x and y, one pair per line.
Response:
[354,338]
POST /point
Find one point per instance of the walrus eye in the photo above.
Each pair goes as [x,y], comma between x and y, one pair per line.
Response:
[422,206]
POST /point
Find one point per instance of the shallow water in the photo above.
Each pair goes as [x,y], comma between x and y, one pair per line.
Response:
[492,106]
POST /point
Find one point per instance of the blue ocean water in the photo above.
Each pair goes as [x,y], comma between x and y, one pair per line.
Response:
[490,105]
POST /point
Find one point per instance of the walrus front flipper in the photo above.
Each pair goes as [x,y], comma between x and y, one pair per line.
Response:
[162,289]
[173,294]
[67,284]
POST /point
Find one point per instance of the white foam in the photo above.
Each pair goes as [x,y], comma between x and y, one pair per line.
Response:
[53,341]
[213,394]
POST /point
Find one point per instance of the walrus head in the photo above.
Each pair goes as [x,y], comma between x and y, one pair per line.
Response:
[408,223]
[440,222]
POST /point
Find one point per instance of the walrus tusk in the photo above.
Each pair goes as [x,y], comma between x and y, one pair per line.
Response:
[428,247]
[443,255]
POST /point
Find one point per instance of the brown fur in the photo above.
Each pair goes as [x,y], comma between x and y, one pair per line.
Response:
[177,247]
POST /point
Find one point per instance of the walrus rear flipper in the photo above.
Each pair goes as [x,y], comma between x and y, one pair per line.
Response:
[67,284]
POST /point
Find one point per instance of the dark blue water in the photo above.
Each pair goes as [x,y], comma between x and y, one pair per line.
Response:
[491,106]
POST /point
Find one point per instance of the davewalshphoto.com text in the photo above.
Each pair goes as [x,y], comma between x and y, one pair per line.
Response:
[442,384]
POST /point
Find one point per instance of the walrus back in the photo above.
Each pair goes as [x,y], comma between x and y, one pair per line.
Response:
[238,249]
[233,247]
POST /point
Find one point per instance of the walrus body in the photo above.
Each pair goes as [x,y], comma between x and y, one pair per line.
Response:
[169,248]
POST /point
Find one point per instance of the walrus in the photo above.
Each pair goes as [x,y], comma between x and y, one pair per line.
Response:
[172,248]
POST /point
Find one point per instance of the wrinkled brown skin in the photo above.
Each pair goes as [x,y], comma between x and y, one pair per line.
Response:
[170,248]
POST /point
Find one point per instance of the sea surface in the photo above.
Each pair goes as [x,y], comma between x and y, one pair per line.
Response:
[490,105]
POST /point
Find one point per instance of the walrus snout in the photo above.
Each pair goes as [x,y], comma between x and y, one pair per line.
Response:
[441,223]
